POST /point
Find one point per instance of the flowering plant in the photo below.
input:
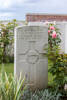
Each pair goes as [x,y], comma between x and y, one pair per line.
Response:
[58,65]
[53,35]
[54,41]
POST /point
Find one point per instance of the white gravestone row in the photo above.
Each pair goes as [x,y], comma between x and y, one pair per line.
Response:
[29,55]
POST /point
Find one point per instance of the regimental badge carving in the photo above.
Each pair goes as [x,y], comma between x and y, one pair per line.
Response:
[32,57]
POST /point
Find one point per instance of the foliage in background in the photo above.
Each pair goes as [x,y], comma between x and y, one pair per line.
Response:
[6,39]
[10,87]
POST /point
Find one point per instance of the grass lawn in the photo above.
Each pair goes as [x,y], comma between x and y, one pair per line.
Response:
[9,67]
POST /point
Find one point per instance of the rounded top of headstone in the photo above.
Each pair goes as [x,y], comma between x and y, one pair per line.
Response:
[31,33]
[32,25]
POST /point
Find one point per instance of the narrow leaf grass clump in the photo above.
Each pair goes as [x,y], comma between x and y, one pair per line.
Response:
[11,88]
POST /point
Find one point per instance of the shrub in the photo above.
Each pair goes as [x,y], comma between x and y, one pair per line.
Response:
[59,71]
[59,61]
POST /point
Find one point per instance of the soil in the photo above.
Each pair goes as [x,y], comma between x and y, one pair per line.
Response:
[64,98]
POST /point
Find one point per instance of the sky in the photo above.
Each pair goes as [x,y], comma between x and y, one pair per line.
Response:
[17,9]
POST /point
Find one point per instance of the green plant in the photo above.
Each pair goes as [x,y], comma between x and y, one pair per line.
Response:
[59,71]
[11,88]
[41,95]
[58,68]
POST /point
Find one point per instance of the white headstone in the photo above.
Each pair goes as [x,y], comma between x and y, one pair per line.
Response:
[63,30]
[29,55]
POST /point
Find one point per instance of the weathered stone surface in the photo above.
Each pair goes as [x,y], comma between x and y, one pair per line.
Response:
[29,55]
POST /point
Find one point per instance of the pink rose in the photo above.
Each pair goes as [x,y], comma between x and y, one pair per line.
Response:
[54,35]
[52,27]
[48,31]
